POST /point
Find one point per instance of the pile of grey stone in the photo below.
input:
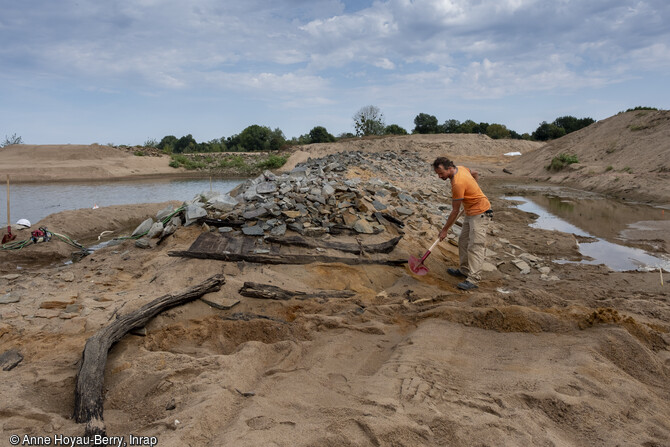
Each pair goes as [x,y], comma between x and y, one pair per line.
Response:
[315,198]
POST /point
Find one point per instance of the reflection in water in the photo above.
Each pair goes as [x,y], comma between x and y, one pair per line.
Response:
[35,202]
[592,220]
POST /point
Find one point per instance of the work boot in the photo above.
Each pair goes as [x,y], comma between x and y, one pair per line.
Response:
[467,285]
[457,273]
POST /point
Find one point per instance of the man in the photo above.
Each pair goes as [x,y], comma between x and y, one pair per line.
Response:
[472,242]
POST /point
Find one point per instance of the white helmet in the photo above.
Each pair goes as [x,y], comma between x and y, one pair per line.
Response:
[23,223]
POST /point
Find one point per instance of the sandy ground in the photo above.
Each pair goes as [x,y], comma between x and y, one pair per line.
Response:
[407,361]
[26,163]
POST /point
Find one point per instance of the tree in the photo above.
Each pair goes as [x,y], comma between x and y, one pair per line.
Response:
[369,120]
[546,131]
[497,131]
[467,126]
[424,123]
[14,139]
[319,134]
[572,124]
[450,126]
[394,129]
[480,128]
[261,138]
[185,144]
[167,144]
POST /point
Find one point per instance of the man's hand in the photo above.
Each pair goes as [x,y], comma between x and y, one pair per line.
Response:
[444,233]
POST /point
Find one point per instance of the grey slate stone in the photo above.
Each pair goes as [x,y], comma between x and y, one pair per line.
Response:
[266,187]
[164,213]
[155,230]
[253,231]
[193,213]
[143,227]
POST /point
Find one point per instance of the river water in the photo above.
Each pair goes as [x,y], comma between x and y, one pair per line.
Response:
[35,202]
[606,222]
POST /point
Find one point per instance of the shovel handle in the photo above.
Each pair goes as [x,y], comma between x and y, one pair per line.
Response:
[430,249]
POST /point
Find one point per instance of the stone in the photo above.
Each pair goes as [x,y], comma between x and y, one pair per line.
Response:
[9,298]
[11,276]
[168,230]
[266,187]
[225,229]
[404,211]
[544,270]
[292,214]
[222,202]
[378,205]
[155,230]
[67,276]
[143,227]
[363,226]
[255,213]
[279,230]
[142,243]
[164,213]
[327,190]
[254,230]
[10,359]
[521,265]
[194,212]
[299,172]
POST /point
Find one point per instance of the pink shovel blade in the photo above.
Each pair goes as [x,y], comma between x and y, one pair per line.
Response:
[416,266]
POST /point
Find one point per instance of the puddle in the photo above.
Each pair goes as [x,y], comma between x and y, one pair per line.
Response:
[599,219]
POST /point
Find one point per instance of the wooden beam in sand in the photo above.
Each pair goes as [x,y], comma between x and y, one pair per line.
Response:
[88,395]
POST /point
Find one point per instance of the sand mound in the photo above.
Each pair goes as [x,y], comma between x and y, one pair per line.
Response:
[428,147]
[45,163]
[625,155]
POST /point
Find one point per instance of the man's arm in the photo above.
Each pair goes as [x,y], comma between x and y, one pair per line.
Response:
[475,175]
[455,208]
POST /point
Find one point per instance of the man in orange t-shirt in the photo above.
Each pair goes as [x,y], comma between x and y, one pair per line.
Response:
[472,243]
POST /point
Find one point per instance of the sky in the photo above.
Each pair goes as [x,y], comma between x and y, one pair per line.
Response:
[128,71]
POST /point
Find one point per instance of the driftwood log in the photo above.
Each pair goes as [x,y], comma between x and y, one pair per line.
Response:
[269,292]
[88,395]
[384,247]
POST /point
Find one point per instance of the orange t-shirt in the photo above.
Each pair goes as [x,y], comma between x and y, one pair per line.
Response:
[464,186]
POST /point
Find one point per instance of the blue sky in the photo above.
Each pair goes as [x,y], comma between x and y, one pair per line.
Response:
[122,72]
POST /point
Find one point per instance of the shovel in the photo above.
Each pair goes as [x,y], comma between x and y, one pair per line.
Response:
[9,236]
[416,264]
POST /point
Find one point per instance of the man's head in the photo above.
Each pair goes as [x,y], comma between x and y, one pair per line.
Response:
[444,168]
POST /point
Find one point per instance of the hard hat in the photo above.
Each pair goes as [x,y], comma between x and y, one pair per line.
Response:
[25,223]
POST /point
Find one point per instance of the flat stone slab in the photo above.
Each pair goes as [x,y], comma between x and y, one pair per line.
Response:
[10,359]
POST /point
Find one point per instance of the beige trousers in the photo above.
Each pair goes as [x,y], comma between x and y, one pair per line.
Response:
[472,246]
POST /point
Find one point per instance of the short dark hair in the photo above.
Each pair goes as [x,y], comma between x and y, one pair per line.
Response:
[444,162]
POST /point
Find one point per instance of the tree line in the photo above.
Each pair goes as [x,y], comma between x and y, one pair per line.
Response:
[368,121]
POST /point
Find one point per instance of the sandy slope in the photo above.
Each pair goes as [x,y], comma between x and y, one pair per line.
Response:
[627,156]
[408,361]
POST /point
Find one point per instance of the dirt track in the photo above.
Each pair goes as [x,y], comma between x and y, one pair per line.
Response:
[407,361]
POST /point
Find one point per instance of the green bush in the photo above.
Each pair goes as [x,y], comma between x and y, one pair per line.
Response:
[272,162]
[561,161]
[235,161]
[179,160]
[139,153]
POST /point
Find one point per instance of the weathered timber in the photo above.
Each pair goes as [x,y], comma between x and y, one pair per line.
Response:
[269,292]
[223,222]
[384,247]
[88,395]
[235,249]
[283,259]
